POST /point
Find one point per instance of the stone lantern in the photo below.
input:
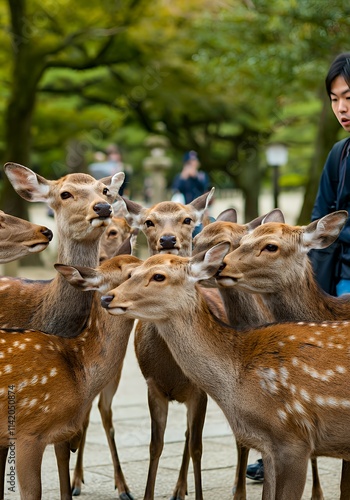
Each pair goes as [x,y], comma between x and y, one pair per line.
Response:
[155,166]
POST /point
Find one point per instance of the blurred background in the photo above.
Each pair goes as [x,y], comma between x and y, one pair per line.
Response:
[228,79]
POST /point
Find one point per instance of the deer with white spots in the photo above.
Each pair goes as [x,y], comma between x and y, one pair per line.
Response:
[52,381]
[83,210]
[168,227]
[19,237]
[272,261]
[281,392]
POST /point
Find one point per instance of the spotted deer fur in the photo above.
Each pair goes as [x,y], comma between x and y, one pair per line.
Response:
[281,392]
[273,262]
[53,380]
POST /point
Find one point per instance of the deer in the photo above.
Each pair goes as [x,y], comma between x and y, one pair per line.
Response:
[272,261]
[281,393]
[19,237]
[83,210]
[50,381]
[114,236]
[168,227]
[243,310]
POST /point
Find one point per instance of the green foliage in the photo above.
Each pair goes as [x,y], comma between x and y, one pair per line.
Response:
[221,78]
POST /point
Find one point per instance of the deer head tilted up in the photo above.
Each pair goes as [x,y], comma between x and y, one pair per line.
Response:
[272,261]
[83,210]
[281,393]
[51,380]
[19,238]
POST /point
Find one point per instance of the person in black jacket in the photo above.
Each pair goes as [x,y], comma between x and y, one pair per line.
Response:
[331,265]
[334,188]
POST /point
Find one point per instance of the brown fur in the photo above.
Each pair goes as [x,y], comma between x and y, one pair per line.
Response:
[285,280]
[54,382]
[282,393]
[19,237]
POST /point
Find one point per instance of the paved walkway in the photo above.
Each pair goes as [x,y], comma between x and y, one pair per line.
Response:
[132,424]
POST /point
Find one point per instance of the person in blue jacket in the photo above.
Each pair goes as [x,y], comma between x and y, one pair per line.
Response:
[333,194]
[191,182]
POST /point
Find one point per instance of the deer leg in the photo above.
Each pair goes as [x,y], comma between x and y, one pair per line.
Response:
[158,407]
[345,481]
[290,472]
[196,411]
[181,485]
[317,493]
[78,475]
[29,456]
[62,451]
[3,457]
[239,487]
[105,407]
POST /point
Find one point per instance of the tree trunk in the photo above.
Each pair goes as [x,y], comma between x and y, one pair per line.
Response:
[328,130]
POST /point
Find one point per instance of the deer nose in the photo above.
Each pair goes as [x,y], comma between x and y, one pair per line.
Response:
[103,209]
[167,241]
[106,300]
[48,233]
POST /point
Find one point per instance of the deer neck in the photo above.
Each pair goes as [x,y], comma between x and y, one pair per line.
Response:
[204,349]
[64,310]
[303,300]
[102,345]
[245,310]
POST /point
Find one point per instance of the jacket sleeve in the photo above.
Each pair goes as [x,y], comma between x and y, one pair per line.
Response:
[327,191]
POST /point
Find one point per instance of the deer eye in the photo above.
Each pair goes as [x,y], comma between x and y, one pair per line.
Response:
[113,233]
[271,248]
[105,191]
[159,277]
[187,220]
[65,195]
[149,223]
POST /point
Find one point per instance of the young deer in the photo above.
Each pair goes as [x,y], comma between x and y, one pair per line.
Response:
[281,393]
[272,261]
[168,227]
[19,238]
[83,210]
[116,233]
[50,381]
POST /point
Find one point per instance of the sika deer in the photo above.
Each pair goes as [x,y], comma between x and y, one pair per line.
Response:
[273,262]
[281,393]
[168,227]
[51,381]
[116,233]
[19,238]
[243,310]
[83,210]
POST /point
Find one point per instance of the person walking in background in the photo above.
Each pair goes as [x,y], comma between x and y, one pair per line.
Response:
[331,265]
[191,182]
[110,165]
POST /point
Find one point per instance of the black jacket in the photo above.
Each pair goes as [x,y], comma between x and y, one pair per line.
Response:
[334,194]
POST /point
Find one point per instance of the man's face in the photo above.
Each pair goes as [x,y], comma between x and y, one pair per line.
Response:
[340,99]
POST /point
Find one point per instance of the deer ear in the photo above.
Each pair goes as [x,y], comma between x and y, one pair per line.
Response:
[132,212]
[29,185]
[204,265]
[114,182]
[201,204]
[275,215]
[229,215]
[83,278]
[323,232]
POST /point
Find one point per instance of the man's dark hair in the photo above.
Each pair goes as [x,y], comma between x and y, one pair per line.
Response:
[339,67]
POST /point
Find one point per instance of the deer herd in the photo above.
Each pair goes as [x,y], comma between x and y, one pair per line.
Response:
[233,313]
